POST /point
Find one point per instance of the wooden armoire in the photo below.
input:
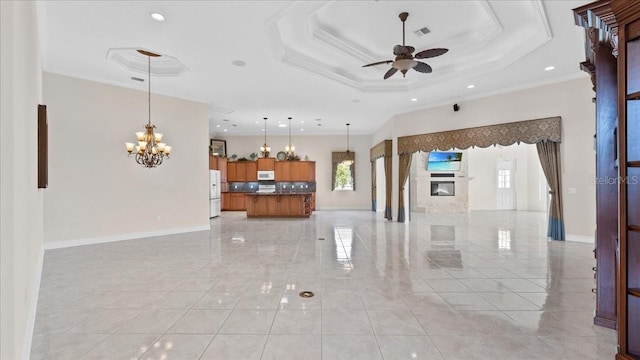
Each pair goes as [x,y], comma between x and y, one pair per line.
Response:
[613,60]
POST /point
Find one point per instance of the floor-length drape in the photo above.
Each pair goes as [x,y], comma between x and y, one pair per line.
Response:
[388,160]
[403,174]
[549,154]
[374,206]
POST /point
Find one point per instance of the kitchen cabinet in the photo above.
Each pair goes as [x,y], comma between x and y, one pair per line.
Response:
[282,171]
[237,202]
[252,171]
[295,171]
[278,205]
[266,164]
[225,200]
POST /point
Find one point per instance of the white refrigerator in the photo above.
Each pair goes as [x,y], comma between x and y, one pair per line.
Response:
[214,193]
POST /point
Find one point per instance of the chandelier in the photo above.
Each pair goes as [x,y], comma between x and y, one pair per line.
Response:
[348,157]
[265,149]
[289,149]
[150,151]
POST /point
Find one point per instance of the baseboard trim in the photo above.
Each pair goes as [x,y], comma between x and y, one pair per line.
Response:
[33,308]
[120,237]
[580,238]
[604,322]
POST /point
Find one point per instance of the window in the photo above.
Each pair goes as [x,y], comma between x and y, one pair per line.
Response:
[343,175]
[504,179]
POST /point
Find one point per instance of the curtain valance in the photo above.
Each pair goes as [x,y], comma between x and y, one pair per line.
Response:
[529,132]
[381,149]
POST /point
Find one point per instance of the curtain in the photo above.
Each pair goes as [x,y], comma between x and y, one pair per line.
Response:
[549,154]
[374,206]
[388,189]
[403,174]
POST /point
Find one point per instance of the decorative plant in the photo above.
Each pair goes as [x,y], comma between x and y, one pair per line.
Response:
[253,156]
[233,157]
[243,159]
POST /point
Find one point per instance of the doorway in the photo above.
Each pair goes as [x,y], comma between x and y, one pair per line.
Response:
[506,189]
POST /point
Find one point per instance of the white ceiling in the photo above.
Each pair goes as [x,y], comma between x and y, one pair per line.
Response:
[304,58]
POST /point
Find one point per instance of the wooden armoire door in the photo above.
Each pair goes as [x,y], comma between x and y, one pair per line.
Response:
[627,13]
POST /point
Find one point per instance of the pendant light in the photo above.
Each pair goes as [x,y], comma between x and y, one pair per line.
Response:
[265,149]
[348,157]
[150,151]
[290,148]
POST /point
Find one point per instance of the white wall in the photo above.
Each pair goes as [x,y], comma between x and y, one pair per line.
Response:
[319,149]
[21,208]
[96,192]
[483,177]
[570,99]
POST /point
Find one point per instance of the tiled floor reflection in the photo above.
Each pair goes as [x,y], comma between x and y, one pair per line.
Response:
[487,285]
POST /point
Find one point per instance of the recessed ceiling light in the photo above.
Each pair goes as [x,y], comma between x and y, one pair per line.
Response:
[301,121]
[157,16]
[239,63]
[549,68]
[414,99]
[218,125]
[225,130]
[301,129]
[470,86]
[282,125]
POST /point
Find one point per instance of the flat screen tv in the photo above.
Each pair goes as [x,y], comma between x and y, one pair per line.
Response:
[444,161]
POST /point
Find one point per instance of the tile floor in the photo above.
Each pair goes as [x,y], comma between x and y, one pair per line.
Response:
[483,286]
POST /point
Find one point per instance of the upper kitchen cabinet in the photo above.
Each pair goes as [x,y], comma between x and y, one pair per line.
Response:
[266,164]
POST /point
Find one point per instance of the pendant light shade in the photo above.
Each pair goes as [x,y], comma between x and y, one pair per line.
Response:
[348,157]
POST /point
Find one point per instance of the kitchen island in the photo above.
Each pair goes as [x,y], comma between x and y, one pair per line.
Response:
[277,204]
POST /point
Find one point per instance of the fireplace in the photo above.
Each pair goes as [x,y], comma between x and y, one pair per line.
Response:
[443,188]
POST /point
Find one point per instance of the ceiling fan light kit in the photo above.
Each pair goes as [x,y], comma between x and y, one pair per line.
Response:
[405,59]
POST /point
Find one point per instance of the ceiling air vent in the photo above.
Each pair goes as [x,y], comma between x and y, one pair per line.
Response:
[424,31]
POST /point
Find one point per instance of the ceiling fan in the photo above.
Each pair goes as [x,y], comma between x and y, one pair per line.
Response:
[404,58]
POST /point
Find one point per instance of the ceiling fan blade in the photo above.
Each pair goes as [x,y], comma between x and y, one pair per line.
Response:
[422,67]
[379,63]
[424,54]
[390,73]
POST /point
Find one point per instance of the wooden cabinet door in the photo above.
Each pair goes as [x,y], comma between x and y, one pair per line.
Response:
[231,171]
[267,164]
[225,201]
[252,171]
[311,171]
[284,205]
[241,171]
[237,201]
[213,162]
[272,205]
[294,170]
[222,166]
[282,172]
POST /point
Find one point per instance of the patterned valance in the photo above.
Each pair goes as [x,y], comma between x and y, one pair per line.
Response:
[529,132]
[382,149]
[338,156]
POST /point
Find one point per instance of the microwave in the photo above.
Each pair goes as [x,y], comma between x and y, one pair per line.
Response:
[266,175]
